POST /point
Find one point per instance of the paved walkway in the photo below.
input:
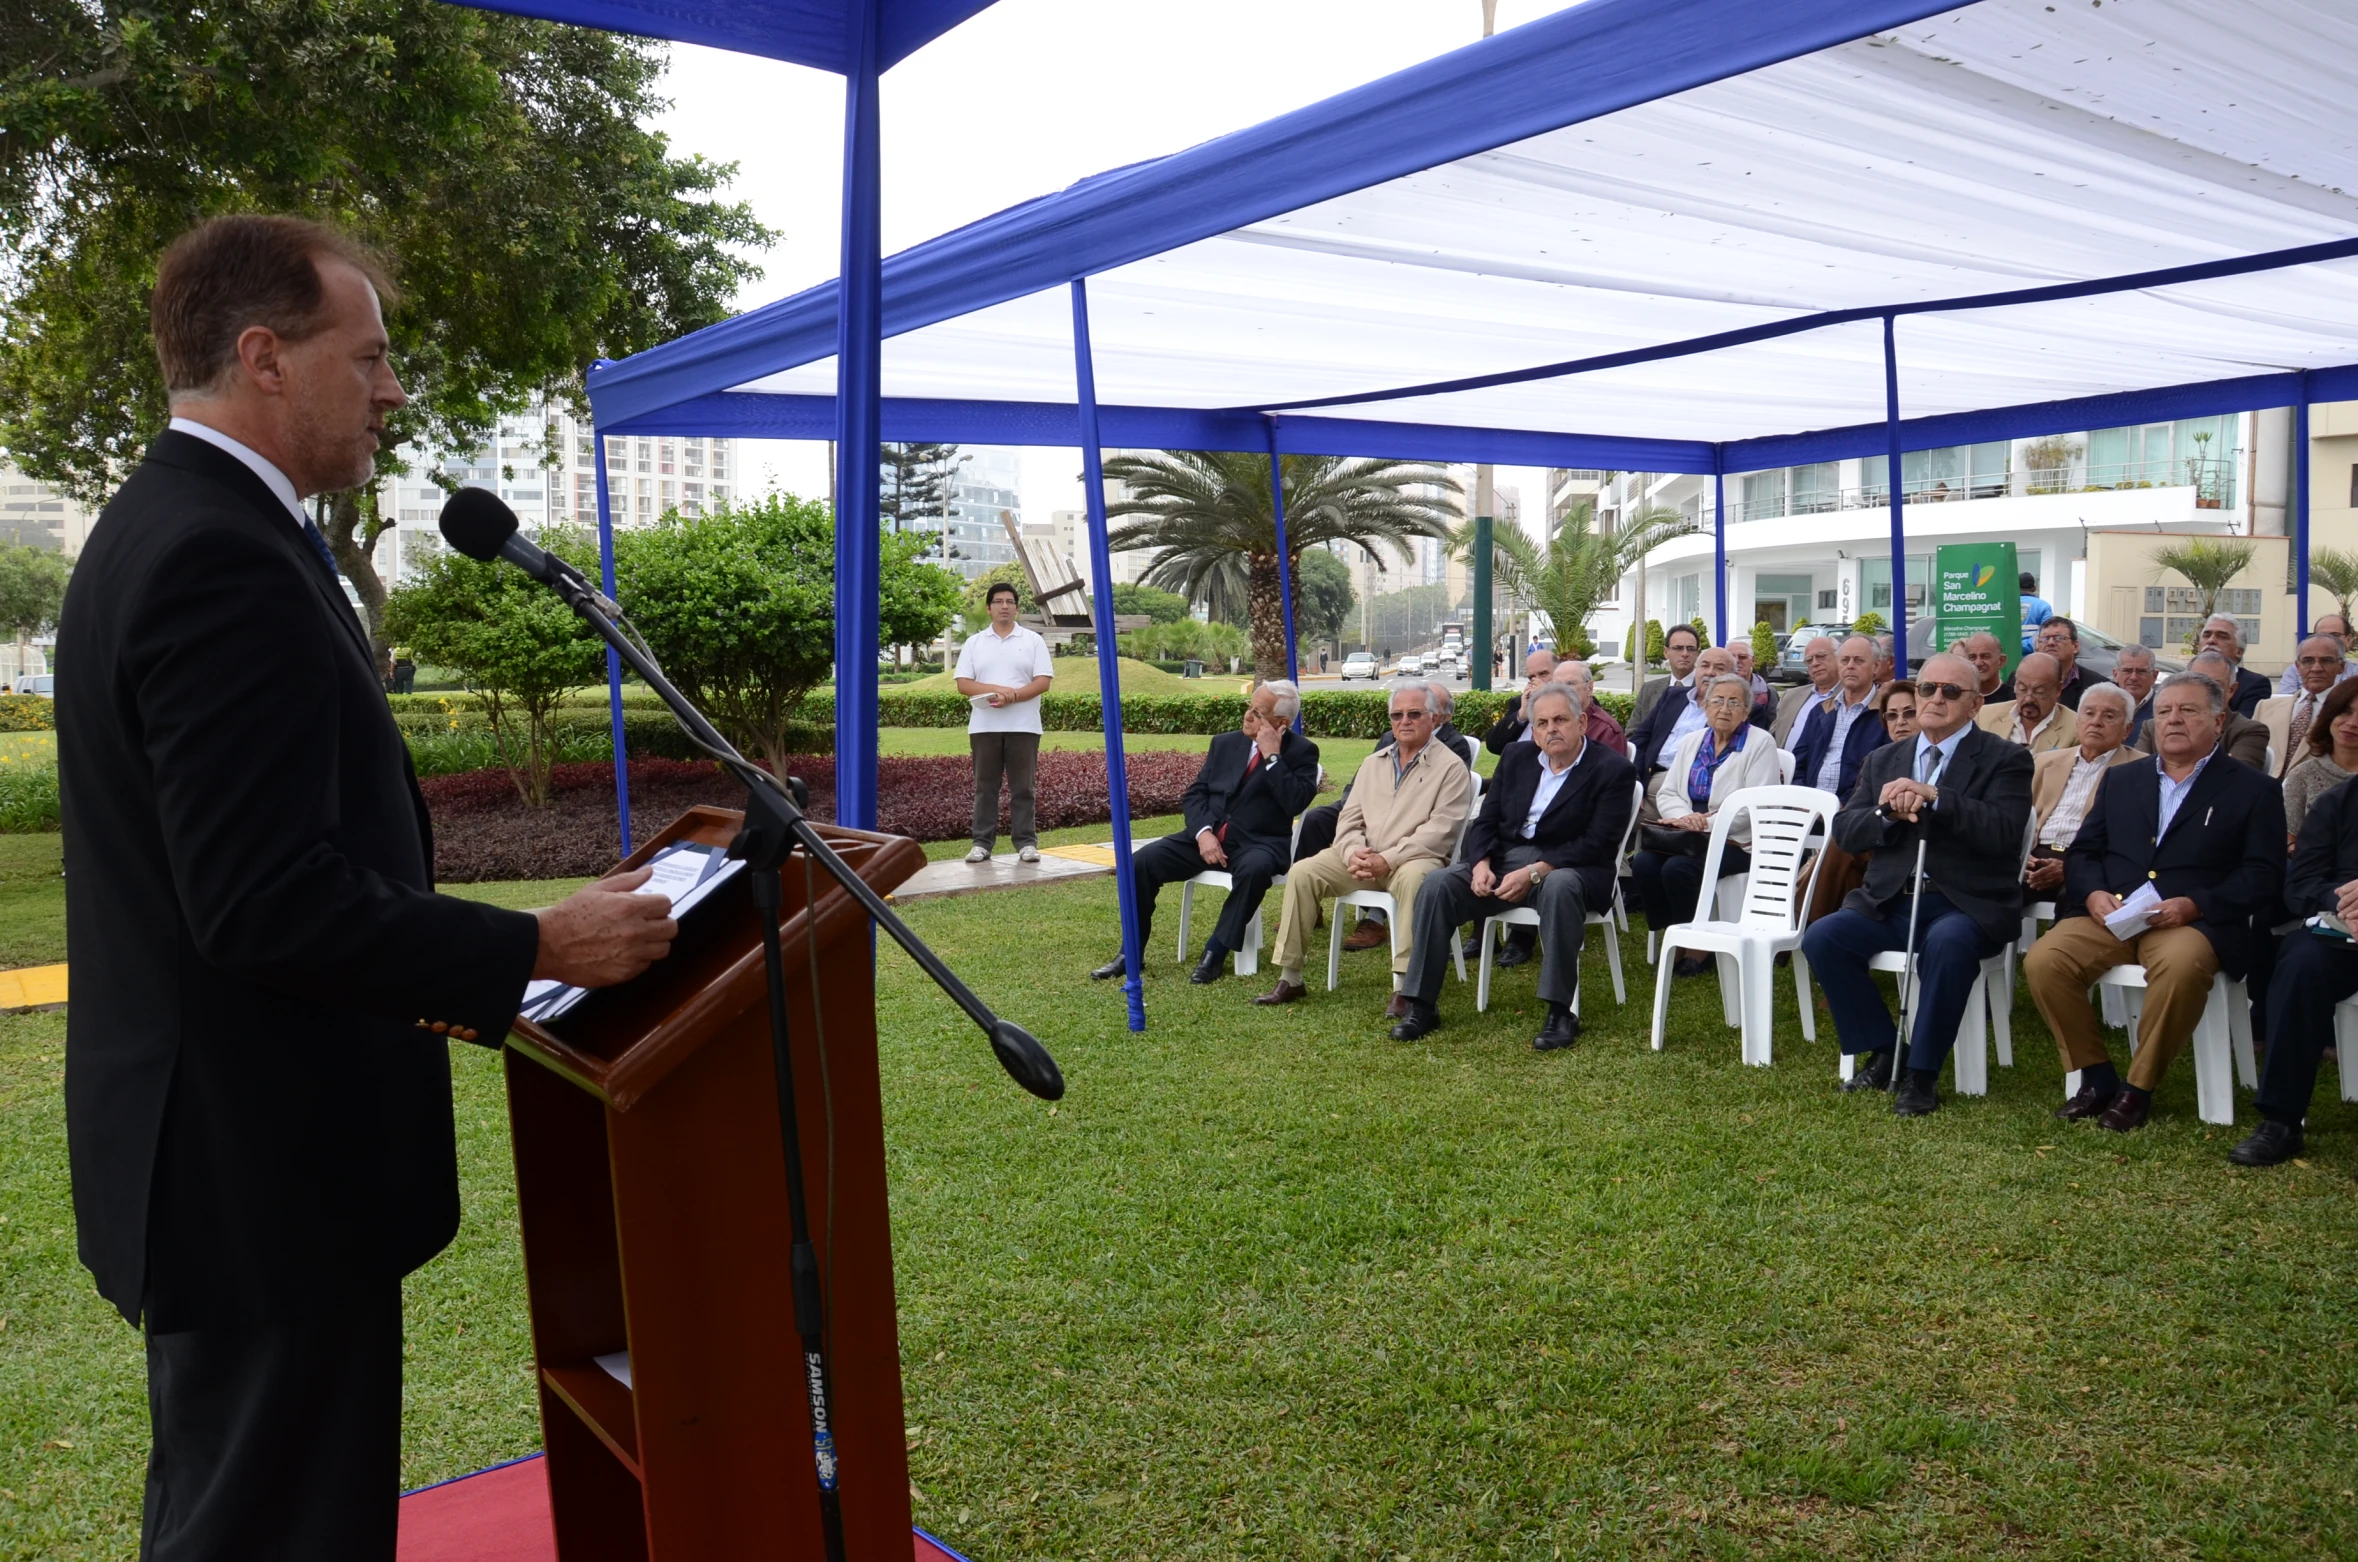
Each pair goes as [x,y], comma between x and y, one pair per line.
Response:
[32,987]
[955,876]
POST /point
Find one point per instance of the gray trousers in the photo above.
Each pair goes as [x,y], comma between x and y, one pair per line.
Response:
[1015,755]
[1447,899]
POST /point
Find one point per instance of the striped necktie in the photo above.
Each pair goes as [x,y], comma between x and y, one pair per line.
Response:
[2303,714]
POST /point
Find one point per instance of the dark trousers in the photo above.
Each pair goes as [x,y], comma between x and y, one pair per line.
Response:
[2312,975]
[1670,884]
[1016,755]
[1447,899]
[1174,860]
[1950,947]
[278,1442]
[1318,827]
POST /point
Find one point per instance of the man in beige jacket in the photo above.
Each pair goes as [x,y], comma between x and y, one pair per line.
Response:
[2036,717]
[1400,822]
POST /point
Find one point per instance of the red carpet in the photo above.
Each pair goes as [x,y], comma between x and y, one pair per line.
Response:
[502,1515]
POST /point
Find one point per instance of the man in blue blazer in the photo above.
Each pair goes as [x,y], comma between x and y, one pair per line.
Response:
[1836,734]
[1548,836]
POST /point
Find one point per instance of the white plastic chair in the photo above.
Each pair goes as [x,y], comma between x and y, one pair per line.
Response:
[1785,764]
[1248,959]
[2345,1046]
[1494,928]
[2224,1030]
[1768,920]
[1383,900]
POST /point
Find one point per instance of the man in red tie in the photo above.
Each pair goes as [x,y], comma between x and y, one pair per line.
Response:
[2288,718]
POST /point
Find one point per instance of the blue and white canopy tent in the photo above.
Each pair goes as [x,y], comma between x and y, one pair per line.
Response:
[1693,236]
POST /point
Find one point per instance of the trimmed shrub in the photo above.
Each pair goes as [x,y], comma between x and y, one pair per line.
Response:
[27,713]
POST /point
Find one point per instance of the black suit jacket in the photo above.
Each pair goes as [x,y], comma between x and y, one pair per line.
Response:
[1651,736]
[1582,827]
[1509,728]
[2325,857]
[1259,809]
[2225,849]
[2250,689]
[254,1119]
[1973,838]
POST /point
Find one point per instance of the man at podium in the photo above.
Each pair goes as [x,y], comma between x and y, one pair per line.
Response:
[258,1099]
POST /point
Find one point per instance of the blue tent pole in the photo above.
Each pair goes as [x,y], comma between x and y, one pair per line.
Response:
[1719,543]
[2301,512]
[858,427]
[613,660]
[1285,563]
[1109,672]
[1899,528]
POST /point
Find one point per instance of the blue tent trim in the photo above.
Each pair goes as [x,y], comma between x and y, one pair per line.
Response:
[817,33]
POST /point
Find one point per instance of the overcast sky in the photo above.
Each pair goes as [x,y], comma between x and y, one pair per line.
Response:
[1022,100]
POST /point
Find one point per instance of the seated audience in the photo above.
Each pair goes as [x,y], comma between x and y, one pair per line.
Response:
[1400,821]
[1741,650]
[2315,970]
[1680,646]
[2206,834]
[2064,783]
[1895,706]
[1988,657]
[2133,670]
[2290,718]
[2224,635]
[1965,794]
[2245,740]
[1705,769]
[1548,836]
[1512,725]
[1832,880]
[1841,731]
[2035,718]
[1596,721]
[2335,628]
[1240,817]
[1817,660]
[1674,717]
[1886,659]
[2059,638]
[1318,825]
[2328,757]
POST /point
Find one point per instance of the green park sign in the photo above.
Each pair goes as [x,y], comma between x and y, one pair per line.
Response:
[1975,588]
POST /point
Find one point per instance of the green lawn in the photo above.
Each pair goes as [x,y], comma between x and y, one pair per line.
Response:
[1269,1284]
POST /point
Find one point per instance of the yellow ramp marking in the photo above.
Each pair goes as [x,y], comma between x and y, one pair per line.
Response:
[33,987]
[1096,856]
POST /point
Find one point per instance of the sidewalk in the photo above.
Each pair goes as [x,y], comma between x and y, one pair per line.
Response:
[1057,864]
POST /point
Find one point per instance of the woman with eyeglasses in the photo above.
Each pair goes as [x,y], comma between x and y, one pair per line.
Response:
[1896,705]
[2329,756]
[1700,772]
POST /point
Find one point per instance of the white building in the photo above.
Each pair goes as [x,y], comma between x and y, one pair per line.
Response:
[40,515]
[985,494]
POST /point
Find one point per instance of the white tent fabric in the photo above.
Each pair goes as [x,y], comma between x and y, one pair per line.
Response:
[2003,145]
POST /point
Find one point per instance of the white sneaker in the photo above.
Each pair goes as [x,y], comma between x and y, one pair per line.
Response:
[1028,854]
[979,854]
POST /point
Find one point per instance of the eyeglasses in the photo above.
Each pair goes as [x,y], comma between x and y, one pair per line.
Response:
[1411,715]
[1726,702]
[1943,691]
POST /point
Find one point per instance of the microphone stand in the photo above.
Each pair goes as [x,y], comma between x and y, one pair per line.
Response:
[774,826]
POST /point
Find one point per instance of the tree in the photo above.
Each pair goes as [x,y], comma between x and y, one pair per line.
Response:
[1868,623]
[1164,607]
[1655,648]
[739,608]
[32,592]
[1764,648]
[914,484]
[519,647]
[1208,515]
[1323,598]
[977,608]
[500,165]
[2209,566]
[1575,567]
[2334,571]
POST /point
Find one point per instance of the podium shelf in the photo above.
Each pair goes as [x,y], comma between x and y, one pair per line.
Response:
[604,1406]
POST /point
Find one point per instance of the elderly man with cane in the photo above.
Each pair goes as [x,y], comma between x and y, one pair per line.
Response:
[1944,817]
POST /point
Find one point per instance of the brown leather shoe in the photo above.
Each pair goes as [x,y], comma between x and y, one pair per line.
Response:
[1397,1009]
[2087,1102]
[1369,934]
[2128,1112]
[1283,992]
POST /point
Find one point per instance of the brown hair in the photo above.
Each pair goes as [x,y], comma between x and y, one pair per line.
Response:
[2320,739]
[1904,686]
[229,273]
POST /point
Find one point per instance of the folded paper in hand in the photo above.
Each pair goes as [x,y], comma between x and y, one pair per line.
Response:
[684,875]
[2134,914]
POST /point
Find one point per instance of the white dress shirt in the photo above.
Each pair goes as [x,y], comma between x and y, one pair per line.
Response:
[1010,661]
[1551,781]
[272,478]
[2071,809]
[2174,793]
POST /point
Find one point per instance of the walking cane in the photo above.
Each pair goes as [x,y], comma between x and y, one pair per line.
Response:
[1899,1047]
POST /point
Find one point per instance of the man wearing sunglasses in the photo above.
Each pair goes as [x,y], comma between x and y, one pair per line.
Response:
[1965,793]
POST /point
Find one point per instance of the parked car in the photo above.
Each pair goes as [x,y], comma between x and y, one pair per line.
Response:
[2097,650]
[1359,664]
[1409,667]
[1789,668]
[43,684]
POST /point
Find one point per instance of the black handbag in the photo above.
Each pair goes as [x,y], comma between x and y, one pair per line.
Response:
[1669,841]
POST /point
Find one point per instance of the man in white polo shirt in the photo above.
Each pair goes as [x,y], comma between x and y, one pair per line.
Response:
[1004,671]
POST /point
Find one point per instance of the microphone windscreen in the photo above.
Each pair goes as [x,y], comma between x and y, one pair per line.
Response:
[477,523]
[1026,1061]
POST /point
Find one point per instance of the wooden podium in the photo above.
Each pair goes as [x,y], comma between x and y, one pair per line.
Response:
[650,1181]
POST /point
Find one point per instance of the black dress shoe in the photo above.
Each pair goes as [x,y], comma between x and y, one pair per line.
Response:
[1423,1019]
[1514,954]
[1111,969]
[1873,1074]
[2087,1101]
[2270,1144]
[2128,1111]
[1472,947]
[1915,1097]
[1562,1029]
[1211,967]
[1691,965]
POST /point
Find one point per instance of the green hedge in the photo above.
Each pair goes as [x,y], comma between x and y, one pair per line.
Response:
[27,713]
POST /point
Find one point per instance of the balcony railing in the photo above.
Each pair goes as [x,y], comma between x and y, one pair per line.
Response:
[2212,480]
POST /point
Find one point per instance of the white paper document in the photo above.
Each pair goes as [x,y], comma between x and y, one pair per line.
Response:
[2134,913]
[682,874]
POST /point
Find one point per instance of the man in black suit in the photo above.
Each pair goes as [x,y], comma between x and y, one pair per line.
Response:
[2224,635]
[1512,725]
[1547,836]
[1680,646]
[258,1107]
[1681,712]
[2316,970]
[1966,794]
[1240,818]
[2207,834]
[1838,733]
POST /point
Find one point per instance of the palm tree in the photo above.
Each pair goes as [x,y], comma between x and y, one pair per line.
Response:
[2335,572]
[1207,512]
[1577,567]
[2207,565]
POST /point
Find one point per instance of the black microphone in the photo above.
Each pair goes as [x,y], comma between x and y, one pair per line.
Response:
[479,524]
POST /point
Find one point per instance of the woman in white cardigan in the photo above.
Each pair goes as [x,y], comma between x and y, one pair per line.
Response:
[1700,772]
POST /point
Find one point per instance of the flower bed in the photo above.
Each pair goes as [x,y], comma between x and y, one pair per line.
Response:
[482,830]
